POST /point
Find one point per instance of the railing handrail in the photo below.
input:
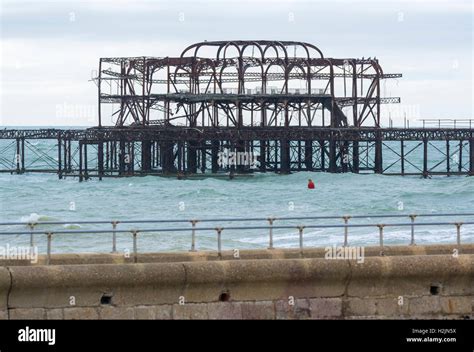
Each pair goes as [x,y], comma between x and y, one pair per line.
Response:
[218,229]
[180,229]
[274,218]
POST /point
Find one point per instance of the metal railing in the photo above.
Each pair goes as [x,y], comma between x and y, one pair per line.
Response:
[450,123]
[219,229]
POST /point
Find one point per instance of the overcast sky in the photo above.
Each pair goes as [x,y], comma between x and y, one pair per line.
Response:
[49,49]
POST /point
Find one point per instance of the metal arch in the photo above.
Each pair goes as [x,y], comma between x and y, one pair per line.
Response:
[254,44]
[225,50]
[190,70]
[304,46]
[267,46]
[258,43]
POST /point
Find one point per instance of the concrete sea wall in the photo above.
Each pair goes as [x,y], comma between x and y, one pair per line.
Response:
[391,286]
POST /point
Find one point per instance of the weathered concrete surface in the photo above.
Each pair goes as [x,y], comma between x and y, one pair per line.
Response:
[5,285]
[397,286]
[170,257]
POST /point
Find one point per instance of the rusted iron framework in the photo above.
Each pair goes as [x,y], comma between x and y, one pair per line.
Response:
[243,83]
[283,101]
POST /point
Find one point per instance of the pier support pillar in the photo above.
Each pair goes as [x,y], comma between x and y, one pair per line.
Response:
[60,172]
[191,157]
[308,155]
[240,148]
[425,157]
[203,157]
[322,148]
[214,156]
[167,157]
[345,156]
[81,177]
[20,155]
[471,156]
[122,157]
[332,156]
[402,158]
[262,157]
[284,156]
[86,167]
[65,156]
[146,156]
[355,157]
[378,160]
[448,158]
[100,159]
[461,142]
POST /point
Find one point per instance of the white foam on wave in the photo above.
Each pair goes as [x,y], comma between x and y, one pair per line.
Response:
[261,239]
[35,217]
[391,237]
[72,226]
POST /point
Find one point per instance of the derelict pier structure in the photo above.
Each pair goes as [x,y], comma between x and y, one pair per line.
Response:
[283,102]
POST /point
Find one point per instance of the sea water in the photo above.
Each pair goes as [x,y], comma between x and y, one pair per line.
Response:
[43,197]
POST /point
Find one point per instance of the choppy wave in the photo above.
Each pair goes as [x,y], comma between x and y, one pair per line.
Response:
[34,217]
[37,197]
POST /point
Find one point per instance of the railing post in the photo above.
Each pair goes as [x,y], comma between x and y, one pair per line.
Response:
[135,254]
[48,250]
[219,242]
[381,226]
[193,236]
[270,234]
[346,229]
[31,225]
[412,219]
[300,232]
[458,232]
[114,236]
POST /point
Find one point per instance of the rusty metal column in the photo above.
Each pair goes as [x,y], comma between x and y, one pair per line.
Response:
[345,156]
[65,156]
[471,156]
[99,80]
[86,173]
[100,159]
[22,154]
[191,157]
[448,158]
[308,155]
[146,156]
[81,177]
[402,157]
[121,157]
[284,156]
[332,154]
[215,156]
[69,155]
[355,157]
[240,148]
[18,156]
[378,160]
[167,157]
[262,156]
[425,157]
[60,173]
[323,155]
[461,142]
[203,157]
